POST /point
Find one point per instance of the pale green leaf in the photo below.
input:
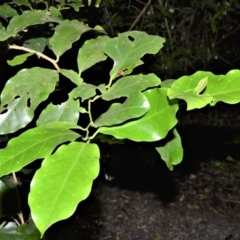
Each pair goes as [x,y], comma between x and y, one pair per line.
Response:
[128,48]
[64,179]
[135,106]
[87,57]
[154,125]
[22,94]
[19,59]
[172,151]
[84,91]
[34,144]
[72,75]
[130,84]
[66,33]
[65,112]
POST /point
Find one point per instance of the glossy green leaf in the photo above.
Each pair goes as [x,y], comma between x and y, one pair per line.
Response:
[130,84]
[172,151]
[34,144]
[7,11]
[22,94]
[19,59]
[135,106]
[66,33]
[23,232]
[65,112]
[225,88]
[128,48]
[28,18]
[87,57]
[154,125]
[72,75]
[64,179]
[84,91]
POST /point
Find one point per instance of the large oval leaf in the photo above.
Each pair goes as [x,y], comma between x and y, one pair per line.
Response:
[64,179]
[154,125]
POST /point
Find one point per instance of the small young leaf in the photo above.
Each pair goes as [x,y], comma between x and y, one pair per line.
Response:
[19,59]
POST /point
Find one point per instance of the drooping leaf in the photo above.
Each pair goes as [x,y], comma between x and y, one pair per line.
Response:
[65,112]
[135,106]
[154,125]
[19,59]
[73,76]
[128,48]
[172,151]
[87,57]
[66,33]
[130,84]
[84,91]
[22,94]
[64,179]
[34,144]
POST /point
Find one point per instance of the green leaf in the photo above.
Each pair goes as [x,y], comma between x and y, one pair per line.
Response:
[64,112]
[87,57]
[135,106]
[34,144]
[73,76]
[23,232]
[130,84]
[19,59]
[7,11]
[64,179]
[84,91]
[22,94]
[28,18]
[225,88]
[128,48]
[66,33]
[154,125]
[37,44]
[172,151]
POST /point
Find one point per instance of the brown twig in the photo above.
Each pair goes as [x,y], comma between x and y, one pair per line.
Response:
[140,15]
[37,53]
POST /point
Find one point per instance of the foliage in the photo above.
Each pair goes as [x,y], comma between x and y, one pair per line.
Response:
[141,108]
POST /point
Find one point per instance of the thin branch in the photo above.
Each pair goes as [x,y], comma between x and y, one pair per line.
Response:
[140,15]
[37,53]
